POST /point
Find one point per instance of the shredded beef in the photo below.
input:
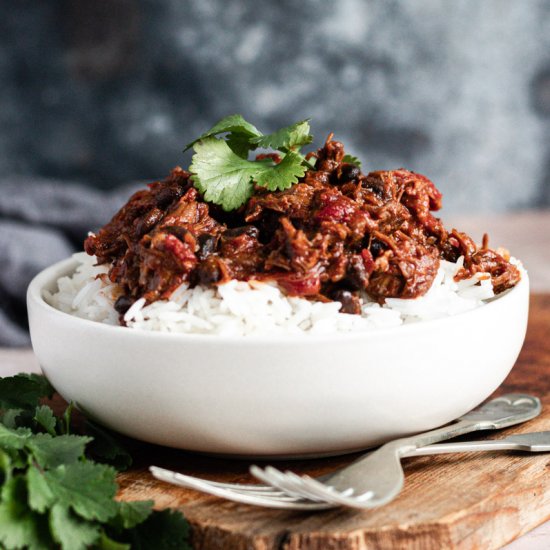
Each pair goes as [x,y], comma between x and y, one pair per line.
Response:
[334,234]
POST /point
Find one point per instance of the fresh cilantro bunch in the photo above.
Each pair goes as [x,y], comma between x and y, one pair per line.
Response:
[52,495]
[224,174]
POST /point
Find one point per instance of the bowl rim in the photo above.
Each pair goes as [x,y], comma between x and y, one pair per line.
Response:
[49,276]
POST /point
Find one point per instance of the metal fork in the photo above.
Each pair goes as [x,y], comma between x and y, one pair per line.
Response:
[271,497]
[377,477]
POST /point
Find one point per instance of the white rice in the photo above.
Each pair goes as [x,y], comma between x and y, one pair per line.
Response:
[259,308]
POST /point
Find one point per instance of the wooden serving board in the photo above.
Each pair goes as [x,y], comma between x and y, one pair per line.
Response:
[467,501]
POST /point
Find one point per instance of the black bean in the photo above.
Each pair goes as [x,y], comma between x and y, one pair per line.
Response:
[207,245]
[350,302]
[356,277]
[208,273]
[168,195]
[376,248]
[123,303]
[349,172]
[177,230]
[249,230]
[376,187]
[269,223]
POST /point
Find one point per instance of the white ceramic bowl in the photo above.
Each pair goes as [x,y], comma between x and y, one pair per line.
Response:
[294,395]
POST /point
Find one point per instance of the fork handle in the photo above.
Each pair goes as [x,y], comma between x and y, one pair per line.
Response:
[409,444]
[381,471]
[500,412]
[468,446]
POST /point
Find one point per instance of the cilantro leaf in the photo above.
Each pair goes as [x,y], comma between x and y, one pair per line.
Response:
[223,177]
[40,496]
[222,172]
[86,487]
[21,527]
[71,532]
[239,144]
[13,439]
[107,543]
[107,448]
[5,467]
[164,530]
[228,180]
[10,417]
[350,159]
[132,513]
[44,417]
[50,452]
[235,124]
[23,391]
[290,137]
[283,175]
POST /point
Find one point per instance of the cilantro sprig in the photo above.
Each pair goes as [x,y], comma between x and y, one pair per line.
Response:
[351,159]
[223,172]
[53,495]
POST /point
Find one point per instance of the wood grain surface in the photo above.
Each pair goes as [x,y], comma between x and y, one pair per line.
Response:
[455,501]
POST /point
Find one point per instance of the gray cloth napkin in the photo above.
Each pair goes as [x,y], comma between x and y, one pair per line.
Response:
[43,221]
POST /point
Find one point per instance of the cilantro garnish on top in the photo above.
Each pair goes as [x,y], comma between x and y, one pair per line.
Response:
[223,172]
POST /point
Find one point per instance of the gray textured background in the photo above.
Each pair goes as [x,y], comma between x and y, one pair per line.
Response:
[105,92]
